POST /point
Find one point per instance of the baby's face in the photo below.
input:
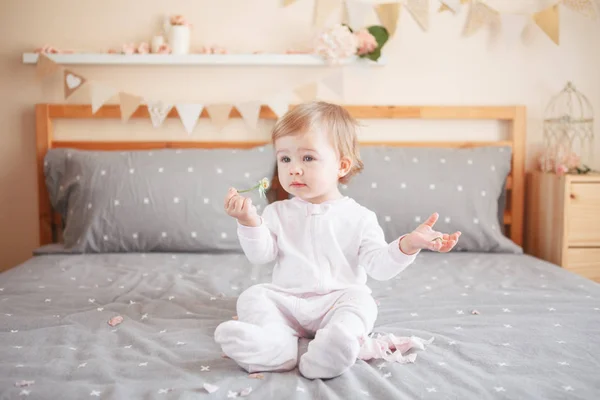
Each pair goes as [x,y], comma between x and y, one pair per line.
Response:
[308,166]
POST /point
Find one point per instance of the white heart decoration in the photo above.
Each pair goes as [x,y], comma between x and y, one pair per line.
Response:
[73,81]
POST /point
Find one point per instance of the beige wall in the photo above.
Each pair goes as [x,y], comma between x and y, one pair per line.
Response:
[438,67]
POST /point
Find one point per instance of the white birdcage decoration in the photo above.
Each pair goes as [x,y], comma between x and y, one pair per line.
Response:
[568,133]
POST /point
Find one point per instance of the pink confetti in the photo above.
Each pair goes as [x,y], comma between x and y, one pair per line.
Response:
[475,312]
[114,321]
[24,383]
[210,388]
[224,355]
[256,376]
[246,392]
[235,317]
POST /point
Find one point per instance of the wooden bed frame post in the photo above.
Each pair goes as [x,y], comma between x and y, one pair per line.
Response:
[44,133]
[518,130]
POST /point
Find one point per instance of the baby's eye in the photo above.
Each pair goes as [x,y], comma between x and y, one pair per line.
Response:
[308,158]
[285,159]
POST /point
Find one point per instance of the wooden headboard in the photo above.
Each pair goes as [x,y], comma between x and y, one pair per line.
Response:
[514,115]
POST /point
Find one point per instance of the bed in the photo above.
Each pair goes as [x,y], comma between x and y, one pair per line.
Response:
[505,325]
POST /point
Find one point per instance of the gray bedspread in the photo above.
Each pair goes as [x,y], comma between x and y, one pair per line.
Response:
[505,327]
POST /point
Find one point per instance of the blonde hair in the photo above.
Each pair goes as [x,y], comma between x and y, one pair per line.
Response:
[334,120]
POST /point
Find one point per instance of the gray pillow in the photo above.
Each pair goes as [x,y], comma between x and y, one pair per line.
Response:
[155,200]
[405,185]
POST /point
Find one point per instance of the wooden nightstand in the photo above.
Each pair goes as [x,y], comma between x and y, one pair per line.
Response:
[563,221]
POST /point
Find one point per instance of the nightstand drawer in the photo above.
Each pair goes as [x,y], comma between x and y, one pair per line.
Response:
[583,215]
[584,262]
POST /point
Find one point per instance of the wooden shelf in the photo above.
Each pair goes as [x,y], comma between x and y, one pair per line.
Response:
[196,59]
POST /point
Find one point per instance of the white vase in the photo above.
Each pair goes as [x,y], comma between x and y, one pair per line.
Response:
[179,39]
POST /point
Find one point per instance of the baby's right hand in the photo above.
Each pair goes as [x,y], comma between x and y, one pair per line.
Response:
[241,208]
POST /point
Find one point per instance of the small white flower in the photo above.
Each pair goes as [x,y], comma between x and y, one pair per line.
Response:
[131,170]
[190,169]
[176,200]
[161,169]
[403,185]
[432,186]
[443,160]
[206,200]
[470,162]
[194,234]
[163,234]
[134,235]
[459,188]
[415,160]
[219,171]
[388,218]
[117,202]
[223,235]
[103,172]
[146,200]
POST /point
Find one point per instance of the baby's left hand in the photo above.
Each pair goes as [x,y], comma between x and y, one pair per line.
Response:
[424,237]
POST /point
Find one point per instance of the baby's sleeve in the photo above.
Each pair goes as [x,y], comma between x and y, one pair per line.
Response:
[260,243]
[381,260]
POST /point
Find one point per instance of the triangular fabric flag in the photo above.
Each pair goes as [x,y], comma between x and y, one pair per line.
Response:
[307,92]
[357,12]
[189,114]
[45,66]
[250,112]
[388,16]
[585,7]
[158,112]
[100,94]
[288,2]
[72,82]
[548,20]
[453,6]
[128,103]
[279,105]
[480,15]
[335,82]
[420,12]
[219,114]
[323,9]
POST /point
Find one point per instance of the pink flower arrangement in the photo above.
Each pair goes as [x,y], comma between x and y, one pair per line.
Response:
[341,42]
[366,42]
[336,44]
[52,50]
[560,163]
[179,20]
[143,48]
[213,50]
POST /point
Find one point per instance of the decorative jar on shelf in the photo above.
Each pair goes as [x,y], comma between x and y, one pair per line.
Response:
[178,32]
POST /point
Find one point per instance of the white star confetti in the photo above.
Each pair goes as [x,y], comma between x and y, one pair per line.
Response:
[246,391]
[460,312]
[507,326]
[25,392]
[145,316]
[499,389]
[204,368]
[431,390]
[144,364]
[563,363]
[374,185]
[82,365]
[300,389]
[231,395]
[180,343]
[568,388]
[95,393]
[388,375]
[163,391]
[505,310]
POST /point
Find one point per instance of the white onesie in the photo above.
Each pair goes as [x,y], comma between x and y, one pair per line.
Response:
[323,254]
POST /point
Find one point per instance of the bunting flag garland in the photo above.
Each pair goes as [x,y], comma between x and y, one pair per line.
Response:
[189,114]
[278,105]
[158,112]
[219,114]
[453,6]
[72,82]
[419,9]
[250,111]
[548,20]
[128,103]
[584,7]
[100,94]
[480,15]
[45,67]
[388,14]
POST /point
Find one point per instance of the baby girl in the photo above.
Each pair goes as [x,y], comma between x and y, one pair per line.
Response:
[324,245]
